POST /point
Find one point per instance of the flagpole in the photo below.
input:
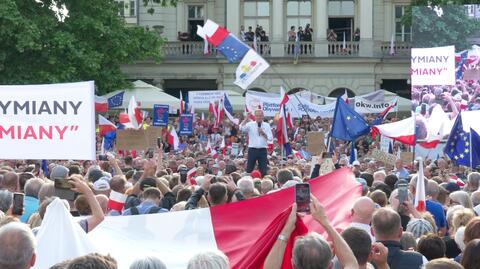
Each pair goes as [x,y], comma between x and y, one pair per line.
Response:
[470,146]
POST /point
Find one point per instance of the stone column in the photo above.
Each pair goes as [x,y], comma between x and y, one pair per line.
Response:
[366,28]
[320,25]
[278,38]
[233,16]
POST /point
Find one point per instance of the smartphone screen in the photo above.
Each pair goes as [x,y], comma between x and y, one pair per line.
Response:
[62,183]
[17,208]
[302,197]
[402,193]
[63,189]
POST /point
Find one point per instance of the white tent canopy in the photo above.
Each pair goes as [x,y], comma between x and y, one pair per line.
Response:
[147,95]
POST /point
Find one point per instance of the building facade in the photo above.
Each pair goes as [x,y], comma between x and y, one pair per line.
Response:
[358,57]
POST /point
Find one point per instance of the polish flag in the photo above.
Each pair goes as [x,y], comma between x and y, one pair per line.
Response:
[190,175]
[219,112]
[435,128]
[105,126]
[116,201]
[223,148]
[345,97]
[402,131]
[101,104]
[214,33]
[172,138]
[420,200]
[251,115]
[297,154]
[245,231]
[134,114]
[208,147]
[457,181]
[282,136]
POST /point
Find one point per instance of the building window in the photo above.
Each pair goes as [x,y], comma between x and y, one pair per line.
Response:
[402,33]
[256,13]
[299,13]
[133,9]
[121,8]
[196,16]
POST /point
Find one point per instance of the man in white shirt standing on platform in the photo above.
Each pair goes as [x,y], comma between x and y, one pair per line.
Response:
[259,133]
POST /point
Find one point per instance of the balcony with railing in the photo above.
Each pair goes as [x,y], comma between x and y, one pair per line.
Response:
[193,49]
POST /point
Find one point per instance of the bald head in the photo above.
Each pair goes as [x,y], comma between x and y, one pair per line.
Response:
[17,250]
[386,225]
[433,189]
[363,209]
[475,198]
[11,182]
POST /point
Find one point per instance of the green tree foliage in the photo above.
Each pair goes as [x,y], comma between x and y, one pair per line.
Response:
[449,27]
[90,43]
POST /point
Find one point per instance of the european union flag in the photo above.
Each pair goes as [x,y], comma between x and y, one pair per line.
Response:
[458,144]
[347,124]
[116,100]
[475,147]
[233,49]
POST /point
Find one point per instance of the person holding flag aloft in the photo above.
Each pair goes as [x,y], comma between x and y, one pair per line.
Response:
[259,133]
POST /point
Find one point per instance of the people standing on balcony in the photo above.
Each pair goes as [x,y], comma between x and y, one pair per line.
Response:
[301,37]
[249,35]
[243,35]
[356,35]
[308,37]
[291,38]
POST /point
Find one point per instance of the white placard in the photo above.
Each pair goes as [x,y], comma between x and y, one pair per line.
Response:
[51,121]
[433,66]
[363,105]
[201,99]
[270,104]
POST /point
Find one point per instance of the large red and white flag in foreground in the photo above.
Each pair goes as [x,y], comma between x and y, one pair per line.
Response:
[244,231]
[402,131]
[420,200]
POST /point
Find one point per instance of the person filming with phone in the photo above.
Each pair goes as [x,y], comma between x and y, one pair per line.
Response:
[259,133]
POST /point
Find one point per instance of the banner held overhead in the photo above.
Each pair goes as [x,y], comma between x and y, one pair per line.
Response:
[51,121]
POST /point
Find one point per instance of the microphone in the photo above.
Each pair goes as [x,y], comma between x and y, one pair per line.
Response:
[259,127]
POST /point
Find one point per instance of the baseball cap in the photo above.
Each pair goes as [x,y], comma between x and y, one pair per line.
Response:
[450,186]
[94,174]
[355,163]
[59,171]
[147,183]
[419,227]
[101,185]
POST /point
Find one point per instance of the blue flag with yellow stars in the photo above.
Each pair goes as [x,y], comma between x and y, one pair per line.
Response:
[458,145]
[233,49]
[347,124]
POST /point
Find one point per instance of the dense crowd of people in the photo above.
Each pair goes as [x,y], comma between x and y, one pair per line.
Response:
[464,95]
[384,232]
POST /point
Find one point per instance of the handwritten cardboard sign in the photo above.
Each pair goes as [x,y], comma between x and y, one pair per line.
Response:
[138,139]
[315,143]
[384,157]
